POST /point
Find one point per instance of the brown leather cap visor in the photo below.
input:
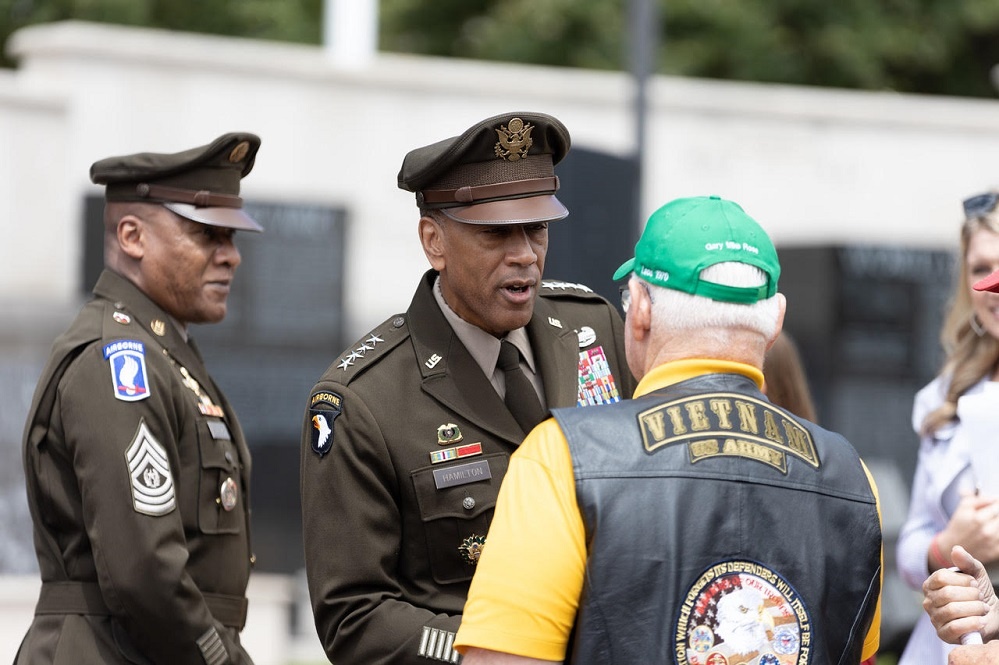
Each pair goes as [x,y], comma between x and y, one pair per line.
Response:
[232,218]
[528,210]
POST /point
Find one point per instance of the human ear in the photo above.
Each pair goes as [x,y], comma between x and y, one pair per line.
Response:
[432,239]
[130,236]
[782,304]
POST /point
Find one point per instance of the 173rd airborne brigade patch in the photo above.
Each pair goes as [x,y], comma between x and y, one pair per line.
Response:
[128,369]
[324,407]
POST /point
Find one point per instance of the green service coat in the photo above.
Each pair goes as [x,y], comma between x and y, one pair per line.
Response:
[138,483]
[392,526]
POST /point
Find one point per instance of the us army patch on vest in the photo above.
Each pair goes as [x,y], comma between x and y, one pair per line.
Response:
[153,491]
[128,369]
[324,407]
[728,424]
[741,611]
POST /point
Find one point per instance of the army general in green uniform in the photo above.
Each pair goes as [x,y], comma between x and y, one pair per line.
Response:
[137,471]
[408,433]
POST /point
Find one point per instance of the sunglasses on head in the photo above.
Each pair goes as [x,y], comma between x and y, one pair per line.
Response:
[981,204]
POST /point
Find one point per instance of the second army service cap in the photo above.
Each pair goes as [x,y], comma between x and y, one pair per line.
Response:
[499,171]
[200,184]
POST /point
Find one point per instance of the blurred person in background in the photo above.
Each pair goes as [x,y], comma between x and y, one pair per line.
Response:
[784,380]
[954,498]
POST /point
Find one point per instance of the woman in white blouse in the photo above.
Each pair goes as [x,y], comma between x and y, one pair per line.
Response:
[955,492]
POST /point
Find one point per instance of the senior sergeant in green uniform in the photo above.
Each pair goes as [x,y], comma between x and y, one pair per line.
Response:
[408,433]
[137,471]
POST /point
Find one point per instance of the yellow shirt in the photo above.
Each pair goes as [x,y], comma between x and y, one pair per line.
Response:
[529,578]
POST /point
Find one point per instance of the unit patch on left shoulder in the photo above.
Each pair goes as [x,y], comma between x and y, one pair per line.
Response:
[324,407]
[128,369]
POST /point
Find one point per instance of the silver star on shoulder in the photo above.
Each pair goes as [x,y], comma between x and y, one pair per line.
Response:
[374,339]
[345,363]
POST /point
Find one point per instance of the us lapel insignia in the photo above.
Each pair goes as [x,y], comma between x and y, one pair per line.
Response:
[324,407]
[158,327]
[128,369]
[432,361]
[552,321]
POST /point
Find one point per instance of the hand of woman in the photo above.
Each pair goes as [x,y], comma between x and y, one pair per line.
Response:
[975,527]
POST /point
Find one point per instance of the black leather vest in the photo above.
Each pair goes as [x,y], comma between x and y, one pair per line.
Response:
[720,530]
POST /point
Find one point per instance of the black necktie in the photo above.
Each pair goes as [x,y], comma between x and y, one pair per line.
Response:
[521,398]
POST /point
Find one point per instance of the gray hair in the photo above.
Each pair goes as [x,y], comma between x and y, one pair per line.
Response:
[679,311]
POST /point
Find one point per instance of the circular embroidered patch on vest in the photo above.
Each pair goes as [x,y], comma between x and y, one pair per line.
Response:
[742,612]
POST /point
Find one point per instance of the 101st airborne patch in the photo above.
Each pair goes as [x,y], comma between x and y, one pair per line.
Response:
[324,407]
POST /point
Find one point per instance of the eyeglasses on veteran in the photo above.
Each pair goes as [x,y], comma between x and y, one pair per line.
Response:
[626,295]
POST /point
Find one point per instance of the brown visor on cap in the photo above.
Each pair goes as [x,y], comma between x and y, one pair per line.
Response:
[232,218]
[510,211]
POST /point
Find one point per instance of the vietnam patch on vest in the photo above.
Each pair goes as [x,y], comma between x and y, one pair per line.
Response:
[728,424]
[324,407]
[742,611]
[153,491]
[128,369]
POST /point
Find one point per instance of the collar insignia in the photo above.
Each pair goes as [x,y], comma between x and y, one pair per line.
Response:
[158,327]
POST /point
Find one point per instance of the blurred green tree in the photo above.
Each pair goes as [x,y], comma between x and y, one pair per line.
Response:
[945,47]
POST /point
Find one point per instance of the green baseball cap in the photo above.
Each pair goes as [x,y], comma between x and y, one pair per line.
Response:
[687,235]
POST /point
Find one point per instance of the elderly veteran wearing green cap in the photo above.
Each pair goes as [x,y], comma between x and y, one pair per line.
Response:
[408,433]
[697,522]
[136,467]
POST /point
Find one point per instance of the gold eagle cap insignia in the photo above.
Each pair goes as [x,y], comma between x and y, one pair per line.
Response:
[514,140]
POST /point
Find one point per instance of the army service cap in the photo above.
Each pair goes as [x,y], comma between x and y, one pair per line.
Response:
[500,171]
[200,184]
